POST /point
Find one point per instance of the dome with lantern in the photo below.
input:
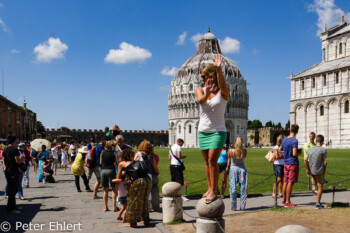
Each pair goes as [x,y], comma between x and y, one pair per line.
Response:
[182,102]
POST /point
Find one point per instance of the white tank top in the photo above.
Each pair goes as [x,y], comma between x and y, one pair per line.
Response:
[212,115]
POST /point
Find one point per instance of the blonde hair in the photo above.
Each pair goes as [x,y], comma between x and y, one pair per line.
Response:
[210,70]
[146,147]
[127,155]
[2,146]
[279,140]
[238,148]
[109,146]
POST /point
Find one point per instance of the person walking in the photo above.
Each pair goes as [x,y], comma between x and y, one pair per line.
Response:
[12,160]
[278,167]
[289,148]
[238,174]
[108,173]
[78,169]
[54,154]
[176,157]
[141,184]
[306,147]
[64,158]
[212,133]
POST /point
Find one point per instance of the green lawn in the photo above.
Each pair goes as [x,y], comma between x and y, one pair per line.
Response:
[258,169]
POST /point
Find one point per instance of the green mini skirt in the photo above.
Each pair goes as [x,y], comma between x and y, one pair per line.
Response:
[211,140]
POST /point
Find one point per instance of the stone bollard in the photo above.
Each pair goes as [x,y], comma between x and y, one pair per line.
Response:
[210,216]
[293,229]
[172,202]
[155,193]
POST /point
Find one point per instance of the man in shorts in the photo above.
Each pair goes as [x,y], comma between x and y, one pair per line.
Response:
[289,148]
[315,164]
[175,166]
[307,146]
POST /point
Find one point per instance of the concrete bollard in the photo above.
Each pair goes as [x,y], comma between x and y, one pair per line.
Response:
[155,193]
[172,202]
[210,216]
[293,229]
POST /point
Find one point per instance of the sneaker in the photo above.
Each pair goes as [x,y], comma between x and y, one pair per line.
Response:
[319,206]
[290,204]
[283,203]
[325,182]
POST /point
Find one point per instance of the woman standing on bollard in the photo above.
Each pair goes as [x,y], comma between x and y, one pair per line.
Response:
[212,100]
[278,167]
[238,174]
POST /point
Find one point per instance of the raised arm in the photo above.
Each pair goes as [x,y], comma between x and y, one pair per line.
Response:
[224,89]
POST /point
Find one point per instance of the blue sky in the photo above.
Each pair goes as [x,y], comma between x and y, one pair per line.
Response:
[90,64]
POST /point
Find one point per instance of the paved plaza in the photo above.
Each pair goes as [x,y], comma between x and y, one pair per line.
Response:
[60,205]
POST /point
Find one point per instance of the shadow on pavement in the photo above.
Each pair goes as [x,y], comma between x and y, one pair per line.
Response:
[25,217]
[43,197]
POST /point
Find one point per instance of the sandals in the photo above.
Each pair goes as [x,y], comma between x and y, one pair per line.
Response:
[22,198]
[209,199]
[222,196]
[206,193]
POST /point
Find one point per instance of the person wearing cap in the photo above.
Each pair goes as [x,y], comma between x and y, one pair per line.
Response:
[78,169]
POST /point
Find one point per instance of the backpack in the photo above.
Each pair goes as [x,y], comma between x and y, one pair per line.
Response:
[91,161]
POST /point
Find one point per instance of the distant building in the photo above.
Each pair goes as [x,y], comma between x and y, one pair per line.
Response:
[320,95]
[132,137]
[183,107]
[266,136]
[16,120]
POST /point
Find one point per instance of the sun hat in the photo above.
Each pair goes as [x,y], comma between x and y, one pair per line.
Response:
[83,150]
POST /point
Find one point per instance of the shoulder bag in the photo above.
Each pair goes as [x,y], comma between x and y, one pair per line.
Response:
[181,163]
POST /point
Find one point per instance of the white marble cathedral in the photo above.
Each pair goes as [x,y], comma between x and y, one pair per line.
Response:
[320,94]
[182,102]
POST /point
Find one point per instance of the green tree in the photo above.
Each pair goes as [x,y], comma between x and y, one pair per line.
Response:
[49,138]
[40,129]
[279,125]
[269,124]
[256,124]
[288,125]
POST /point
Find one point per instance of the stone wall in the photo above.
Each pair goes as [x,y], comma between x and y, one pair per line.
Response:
[265,136]
[132,137]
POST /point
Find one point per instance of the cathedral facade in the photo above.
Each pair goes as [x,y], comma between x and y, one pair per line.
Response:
[320,94]
[183,107]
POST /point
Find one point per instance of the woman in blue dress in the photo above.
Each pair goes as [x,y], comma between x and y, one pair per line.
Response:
[43,153]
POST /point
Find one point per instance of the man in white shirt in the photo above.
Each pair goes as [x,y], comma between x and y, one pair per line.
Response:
[175,165]
[54,154]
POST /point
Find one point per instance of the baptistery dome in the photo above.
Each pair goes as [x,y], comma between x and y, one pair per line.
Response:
[182,101]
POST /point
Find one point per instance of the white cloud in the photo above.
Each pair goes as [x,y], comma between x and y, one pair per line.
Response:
[3,26]
[127,53]
[230,45]
[328,13]
[169,71]
[181,39]
[195,39]
[51,49]
[15,51]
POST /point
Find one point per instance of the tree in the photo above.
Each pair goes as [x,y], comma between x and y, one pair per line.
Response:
[269,124]
[49,138]
[279,125]
[288,125]
[256,124]
[40,129]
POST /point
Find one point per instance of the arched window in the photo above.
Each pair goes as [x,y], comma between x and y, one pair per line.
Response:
[324,80]
[340,48]
[190,129]
[191,87]
[179,128]
[302,85]
[313,82]
[181,89]
[321,110]
[227,109]
[324,54]
[346,106]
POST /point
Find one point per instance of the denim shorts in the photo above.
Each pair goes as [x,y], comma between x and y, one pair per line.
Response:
[123,200]
[279,169]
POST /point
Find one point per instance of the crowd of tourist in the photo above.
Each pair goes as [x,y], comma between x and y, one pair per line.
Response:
[113,163]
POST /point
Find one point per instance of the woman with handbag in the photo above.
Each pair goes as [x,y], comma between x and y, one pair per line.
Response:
[278,167]
[141,184]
